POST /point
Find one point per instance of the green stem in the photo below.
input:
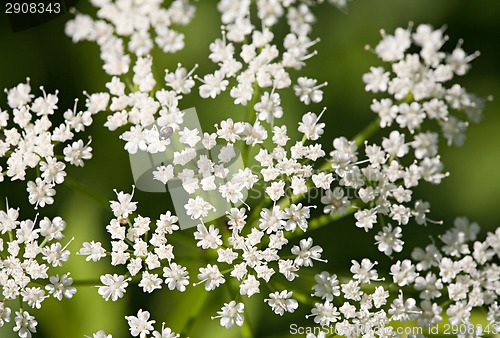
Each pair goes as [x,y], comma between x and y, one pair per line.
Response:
[323,220]
[88,282]
[79,187]
[251,118]
[195,317]
[246,327]
[367,132]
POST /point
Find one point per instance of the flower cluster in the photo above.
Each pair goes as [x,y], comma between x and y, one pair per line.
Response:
[28,140]
[133,104]
[131,22]
[141,326]
[356,308]
[252,245]
[132,247]
[460,275]
[418,84]
[257,66]
[25,260]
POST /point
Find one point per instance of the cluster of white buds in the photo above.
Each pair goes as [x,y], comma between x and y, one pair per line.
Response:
[133,22]
[142,251]
[26,259]
[359,308]
[29,141]
[142,326]
[459,276]
[257,66]
[419,83]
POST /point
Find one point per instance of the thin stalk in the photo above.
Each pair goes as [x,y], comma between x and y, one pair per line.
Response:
[323,220]
[79,187]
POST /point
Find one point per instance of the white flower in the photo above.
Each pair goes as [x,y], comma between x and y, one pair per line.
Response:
[77,152]
[52,229]
[230,314]
[93,250]
[176,276]
[211,276]
[198,207]
[33,296]
[4,314]
[250,286]
[310,126]
[140,325]
[166,332]
[55,254]
[366,218]
[150,282]
[180,80]
[101,334]
[324,314]
[45,105]
[364,272]
[281,302]
[276,190]
[376,80]
[306,253]
[336,202]
[164,174]
[19,95]
[213,85]
[208,238]
[124,206]
[322,180]
[25,324]
[395,144]
[114,286]
[388,240]
[308,91]
[326,286]
[189,136]
[403,273]
[40,192]
[60,287]
[52,170]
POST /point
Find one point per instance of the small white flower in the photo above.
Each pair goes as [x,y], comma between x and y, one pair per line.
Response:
[60,287]
[281,302]
[114,286]
[230,314]
[198,207]
[25,324]
[211,276]
[40,192]
[308,91]
[310,126]
[93,250]
[140,325]
[124,206]
[176,277]
[150,282]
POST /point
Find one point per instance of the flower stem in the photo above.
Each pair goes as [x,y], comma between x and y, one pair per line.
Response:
[79,187]
[323,220]
[367,132]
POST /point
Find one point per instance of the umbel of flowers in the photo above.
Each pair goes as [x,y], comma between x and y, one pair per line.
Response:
[255,248]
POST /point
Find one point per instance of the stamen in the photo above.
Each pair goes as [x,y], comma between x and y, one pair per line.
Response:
[195,284]
[308,56]
[191,71]
[71,240]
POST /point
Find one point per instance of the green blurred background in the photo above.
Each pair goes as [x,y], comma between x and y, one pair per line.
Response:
[49,58]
